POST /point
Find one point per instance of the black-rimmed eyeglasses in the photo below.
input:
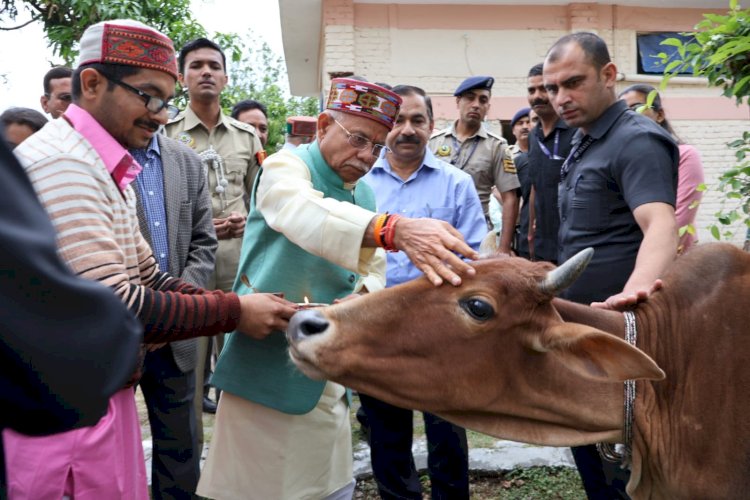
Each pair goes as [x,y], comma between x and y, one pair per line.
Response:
[359,142]
[153,104]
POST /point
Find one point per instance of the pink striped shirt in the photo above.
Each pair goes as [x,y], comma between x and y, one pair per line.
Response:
[117,160]
[98,233]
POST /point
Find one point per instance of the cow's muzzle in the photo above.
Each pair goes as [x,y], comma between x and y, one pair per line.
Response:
[305,324]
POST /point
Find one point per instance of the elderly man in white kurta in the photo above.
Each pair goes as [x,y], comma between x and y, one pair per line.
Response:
[312,233]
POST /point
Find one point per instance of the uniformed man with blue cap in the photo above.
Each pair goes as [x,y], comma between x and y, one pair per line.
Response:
[468,145]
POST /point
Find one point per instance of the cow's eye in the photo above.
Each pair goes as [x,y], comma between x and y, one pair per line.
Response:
[478,309]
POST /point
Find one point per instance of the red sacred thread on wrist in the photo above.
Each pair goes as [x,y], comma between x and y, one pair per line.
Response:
[379,223]
[390,232]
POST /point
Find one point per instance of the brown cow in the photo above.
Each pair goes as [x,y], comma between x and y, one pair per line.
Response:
[499,355]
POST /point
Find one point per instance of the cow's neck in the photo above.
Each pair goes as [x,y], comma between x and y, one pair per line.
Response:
[693,430]
[602,319]
[609,397]
[641,480]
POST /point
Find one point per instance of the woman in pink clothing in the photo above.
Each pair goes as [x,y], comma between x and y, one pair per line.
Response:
[690,170]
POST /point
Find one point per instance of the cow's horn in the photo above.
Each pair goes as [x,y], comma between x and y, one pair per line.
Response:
[561,278]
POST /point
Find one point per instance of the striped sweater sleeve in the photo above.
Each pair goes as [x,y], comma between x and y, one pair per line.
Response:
[175,310]
[99,237]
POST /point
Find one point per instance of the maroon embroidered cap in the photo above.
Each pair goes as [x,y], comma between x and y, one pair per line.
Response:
[364,99]
[124,41]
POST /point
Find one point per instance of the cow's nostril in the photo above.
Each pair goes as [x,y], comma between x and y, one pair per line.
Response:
[314,325]
[305,324]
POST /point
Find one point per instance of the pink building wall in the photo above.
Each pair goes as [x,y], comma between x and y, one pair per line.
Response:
[437,46]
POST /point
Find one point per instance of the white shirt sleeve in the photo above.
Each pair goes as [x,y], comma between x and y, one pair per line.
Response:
[324,227]
[374,280]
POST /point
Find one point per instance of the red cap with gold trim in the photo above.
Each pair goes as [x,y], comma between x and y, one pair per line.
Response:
[364,99]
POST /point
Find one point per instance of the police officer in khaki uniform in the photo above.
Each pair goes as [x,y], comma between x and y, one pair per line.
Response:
[231,153]
[485,156]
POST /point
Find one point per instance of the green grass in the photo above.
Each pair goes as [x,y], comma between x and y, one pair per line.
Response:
[543,483]
[479,440]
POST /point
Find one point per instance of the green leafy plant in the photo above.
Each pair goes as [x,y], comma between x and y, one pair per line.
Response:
[65,21]
[259,73]
[735,184]
[255,71]
[720,52]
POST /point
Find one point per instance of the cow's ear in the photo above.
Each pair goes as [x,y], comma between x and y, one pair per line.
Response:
[595,354]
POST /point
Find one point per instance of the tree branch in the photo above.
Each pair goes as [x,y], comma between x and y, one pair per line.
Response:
[33,19]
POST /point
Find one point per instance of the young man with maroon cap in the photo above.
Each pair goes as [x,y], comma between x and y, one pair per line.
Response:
[82,172]
[312,233]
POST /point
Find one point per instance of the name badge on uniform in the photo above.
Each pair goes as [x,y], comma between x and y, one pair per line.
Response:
[444,150]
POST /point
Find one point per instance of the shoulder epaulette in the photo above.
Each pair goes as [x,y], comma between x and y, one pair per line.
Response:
[508,164]
[177,118]
[242,126]
[498,137]
[440,132]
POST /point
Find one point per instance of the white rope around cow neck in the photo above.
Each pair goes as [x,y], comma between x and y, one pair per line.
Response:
[623,453]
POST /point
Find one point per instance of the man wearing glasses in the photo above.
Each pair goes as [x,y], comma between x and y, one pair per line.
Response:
[56,97]
[312,234]
[83,174]
[174,212]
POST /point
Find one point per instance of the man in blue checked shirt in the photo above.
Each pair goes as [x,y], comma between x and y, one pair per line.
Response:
[175,216]
[409,180]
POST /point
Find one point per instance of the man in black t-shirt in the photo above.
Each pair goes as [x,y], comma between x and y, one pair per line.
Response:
[616,194]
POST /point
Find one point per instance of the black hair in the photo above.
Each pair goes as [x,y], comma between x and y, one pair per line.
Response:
[54,74]
[110,71]
[536,70]
[23,116]
[247,104]
[404,90]
[593,46]
[200,43]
